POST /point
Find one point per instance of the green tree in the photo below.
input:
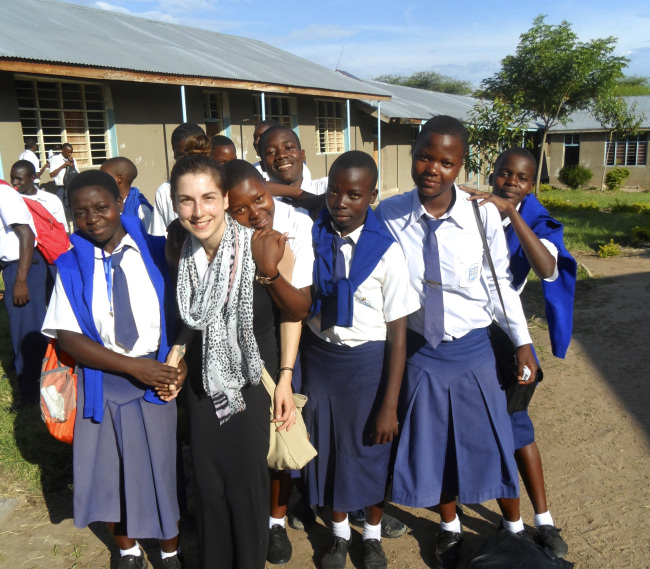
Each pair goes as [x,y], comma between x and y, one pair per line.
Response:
[557,75]
[618,120]
[429,80]
[633,85]
[494,126]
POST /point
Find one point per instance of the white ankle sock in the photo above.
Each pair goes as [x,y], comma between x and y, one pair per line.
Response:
[544,519]
[165,555]
[514,527]
[371,532]
[135,550]
[451,526]
[342,529]
[275,522]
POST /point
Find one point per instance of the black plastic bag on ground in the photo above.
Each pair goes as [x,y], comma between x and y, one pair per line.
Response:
[507,551]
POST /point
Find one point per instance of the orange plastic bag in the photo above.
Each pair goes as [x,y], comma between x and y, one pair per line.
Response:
[58,393]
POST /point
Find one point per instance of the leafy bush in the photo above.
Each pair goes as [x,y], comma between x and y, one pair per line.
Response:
[610,249]
[636,207]
[641,233]
[545,188]
[615,178]
[575,176]
[558,204]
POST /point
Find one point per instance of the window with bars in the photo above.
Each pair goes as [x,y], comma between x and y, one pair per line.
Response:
[329,127]
[631,151]
[276,108]
[56,113]
[571,149]
[213,111]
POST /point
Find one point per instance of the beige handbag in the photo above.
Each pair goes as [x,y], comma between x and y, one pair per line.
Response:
[288,450]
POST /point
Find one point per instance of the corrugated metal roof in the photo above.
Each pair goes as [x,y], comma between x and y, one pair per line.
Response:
[583,120]
[75,35]
[420,104]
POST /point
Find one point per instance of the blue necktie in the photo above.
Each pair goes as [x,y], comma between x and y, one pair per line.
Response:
[328,314]
[434,310]
[126,332]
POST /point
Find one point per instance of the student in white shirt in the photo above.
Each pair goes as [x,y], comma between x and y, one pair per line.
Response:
[59,165]
[23,178]
[353,356]
[24,272]
[163,211]
[124,172]
[450,368]
[31,148]
[283,157]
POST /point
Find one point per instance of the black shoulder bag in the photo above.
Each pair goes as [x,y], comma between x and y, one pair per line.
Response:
[518,395]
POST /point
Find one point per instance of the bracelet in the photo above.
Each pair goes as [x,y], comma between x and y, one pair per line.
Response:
[277,374]
[265,281]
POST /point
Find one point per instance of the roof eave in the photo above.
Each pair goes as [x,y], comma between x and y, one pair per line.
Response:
[114,74]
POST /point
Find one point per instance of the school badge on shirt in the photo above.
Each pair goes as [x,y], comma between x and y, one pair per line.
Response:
[470,274]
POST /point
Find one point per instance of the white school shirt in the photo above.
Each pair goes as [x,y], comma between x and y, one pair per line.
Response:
[552,249]
[142,294]
[13,211]
[383,297]
[287,219]
[52,204]
[469,295]
[30,156]
[163,211]
[56,162]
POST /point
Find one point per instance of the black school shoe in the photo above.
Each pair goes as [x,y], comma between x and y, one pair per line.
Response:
[337,555]
[523,534]
[173,562]
[280,549]
[447,549]
[549,536]
[133,561]
[374,557]
[302,516]
[391,527]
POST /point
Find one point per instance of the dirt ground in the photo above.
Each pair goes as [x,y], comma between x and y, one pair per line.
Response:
[593,428]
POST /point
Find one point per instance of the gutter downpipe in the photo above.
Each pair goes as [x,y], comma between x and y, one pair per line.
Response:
[379,149]
[347,108]
[183,103]
[263,105]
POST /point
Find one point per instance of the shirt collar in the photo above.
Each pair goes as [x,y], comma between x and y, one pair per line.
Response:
[126,240]
[353,237]
[459,213]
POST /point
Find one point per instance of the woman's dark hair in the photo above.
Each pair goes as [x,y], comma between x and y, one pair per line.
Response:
[198,144]
[445,125]
[197,164]
[94,178]
[184,131]
[356,159]
[238,171]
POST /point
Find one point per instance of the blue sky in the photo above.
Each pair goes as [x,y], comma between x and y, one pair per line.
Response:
[466,40]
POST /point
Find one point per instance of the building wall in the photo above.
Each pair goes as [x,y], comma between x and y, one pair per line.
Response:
[592,156]
[11,134]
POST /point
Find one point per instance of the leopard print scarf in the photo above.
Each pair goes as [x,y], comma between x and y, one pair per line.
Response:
[221,305]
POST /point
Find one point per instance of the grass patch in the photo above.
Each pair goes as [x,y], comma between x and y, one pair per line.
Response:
[604,200]
[31,460]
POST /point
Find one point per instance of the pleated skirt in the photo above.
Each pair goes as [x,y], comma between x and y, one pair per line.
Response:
[345,388]
[456,437]
[125,466]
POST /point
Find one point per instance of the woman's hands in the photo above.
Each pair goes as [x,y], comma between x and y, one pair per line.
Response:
[284,405]
[525,357]
[268,248]
[175,359]
[386,426]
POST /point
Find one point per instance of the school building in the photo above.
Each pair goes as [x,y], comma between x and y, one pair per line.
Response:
[584,141]
[112,84]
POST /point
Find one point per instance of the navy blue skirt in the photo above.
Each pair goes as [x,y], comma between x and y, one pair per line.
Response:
[125,466]
[345,388]
[522,429]
[456,437]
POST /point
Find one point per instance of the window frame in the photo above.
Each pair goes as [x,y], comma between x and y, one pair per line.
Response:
[288,107]
[91,141]
[338,130]
[640,140]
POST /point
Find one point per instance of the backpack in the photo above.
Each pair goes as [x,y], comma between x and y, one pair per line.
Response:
[51,237]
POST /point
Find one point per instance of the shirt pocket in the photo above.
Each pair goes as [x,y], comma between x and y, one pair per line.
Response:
[468,265]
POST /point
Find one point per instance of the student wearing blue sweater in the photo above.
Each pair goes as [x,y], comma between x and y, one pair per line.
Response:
[535,241]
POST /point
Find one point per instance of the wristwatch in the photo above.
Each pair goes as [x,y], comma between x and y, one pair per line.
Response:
[266,281]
